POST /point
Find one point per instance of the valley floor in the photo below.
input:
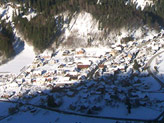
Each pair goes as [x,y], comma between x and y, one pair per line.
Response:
[100,82]
[119,83]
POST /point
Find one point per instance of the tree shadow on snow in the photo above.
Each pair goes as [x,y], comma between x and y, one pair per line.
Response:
[90,97]
[18,47]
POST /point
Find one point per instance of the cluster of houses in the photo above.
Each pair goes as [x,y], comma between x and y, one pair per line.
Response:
[150,49]
[49,70]
[74,65]
[6,77]
[71,66]
[66,66]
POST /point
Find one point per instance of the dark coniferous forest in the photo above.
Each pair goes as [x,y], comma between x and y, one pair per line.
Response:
[44,29]
[6,39]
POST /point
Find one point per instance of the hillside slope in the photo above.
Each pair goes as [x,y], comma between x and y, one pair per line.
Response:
[80,23]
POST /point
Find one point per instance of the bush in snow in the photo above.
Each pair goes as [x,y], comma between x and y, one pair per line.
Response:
[126,39]
[72,107]
[51,102]
[12,110]
[136,66]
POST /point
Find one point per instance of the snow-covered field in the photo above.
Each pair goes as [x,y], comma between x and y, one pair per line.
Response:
[45,116]
[160,64]
[4,108]
[23,59]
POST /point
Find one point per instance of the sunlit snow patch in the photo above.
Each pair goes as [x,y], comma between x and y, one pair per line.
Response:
[23,59]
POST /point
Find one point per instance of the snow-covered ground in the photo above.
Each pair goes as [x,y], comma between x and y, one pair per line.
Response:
[4,108]
[157,66]
[23,59]
[31,14]
[84,28]
[45,116]
[7,11]
[160,66]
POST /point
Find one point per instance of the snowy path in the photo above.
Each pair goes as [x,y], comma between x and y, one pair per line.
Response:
[23,59]
[151,73]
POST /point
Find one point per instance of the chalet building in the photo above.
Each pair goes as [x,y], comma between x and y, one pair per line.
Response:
[72,63]
[102,66]
[40,80]
[34,66]
[49,79]
[79,63]
[113,52]
[65,53]
[80,52]
[41,64]
[50,72]
[46,57]
[52,62]
[33,80]
[66,78]
[72,77]
[83,66]
[107,53]
[122,68]
[60,72]
[83,77]
[37,72]
[119,48]
[62,66]
[130,56]
[19,80]
[5,96]
[28,80]
[1,79]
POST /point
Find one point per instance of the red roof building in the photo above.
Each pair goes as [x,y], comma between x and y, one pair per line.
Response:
[83,66]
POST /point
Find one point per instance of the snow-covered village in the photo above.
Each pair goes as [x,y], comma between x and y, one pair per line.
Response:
[103,83]
[121,82]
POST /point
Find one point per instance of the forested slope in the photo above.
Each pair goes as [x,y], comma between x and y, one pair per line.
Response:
[6,39]
[44,29]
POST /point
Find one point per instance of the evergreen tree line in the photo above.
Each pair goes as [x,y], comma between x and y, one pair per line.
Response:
[40,31]
[43,30]
[155,13]
[6,39]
